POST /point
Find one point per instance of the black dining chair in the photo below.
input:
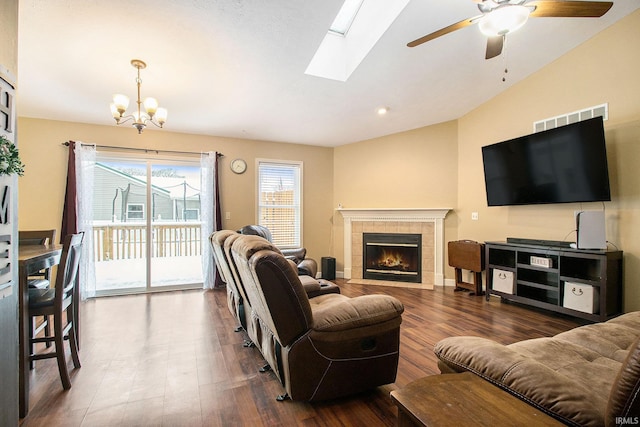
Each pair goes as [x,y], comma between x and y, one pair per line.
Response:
[59,302]
[41,279]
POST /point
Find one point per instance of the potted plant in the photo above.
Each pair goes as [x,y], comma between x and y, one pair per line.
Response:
[10,162]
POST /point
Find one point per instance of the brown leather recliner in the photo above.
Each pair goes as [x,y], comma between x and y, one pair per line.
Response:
[319,348]
[237,301]
[235,297]
[306,266]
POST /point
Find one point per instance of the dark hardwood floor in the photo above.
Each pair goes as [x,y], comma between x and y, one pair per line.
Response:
[173,359]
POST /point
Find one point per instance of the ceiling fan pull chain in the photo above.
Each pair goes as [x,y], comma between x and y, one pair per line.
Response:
[506,70]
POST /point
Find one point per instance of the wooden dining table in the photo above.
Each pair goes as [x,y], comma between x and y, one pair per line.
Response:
[31,259]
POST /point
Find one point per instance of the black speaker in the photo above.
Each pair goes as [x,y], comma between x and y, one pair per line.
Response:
[328,268]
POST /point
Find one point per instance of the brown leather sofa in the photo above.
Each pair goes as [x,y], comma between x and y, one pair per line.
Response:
[320,348]
[588,376]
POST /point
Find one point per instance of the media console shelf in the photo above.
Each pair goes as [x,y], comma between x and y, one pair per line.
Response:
[538,275]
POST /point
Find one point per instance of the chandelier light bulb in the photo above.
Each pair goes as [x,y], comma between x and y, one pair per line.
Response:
[114,111]
[161,116]
[151,105]
[121,102]
[504,19]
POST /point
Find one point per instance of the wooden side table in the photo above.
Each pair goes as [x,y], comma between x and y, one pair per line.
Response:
[463,400]
[467,255]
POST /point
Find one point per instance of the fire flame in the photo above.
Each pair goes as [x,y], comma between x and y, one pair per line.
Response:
[391,259]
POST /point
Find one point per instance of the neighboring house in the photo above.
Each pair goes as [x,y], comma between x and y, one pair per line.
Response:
[121,197]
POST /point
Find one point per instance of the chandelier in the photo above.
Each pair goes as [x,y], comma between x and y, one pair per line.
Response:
[151,114]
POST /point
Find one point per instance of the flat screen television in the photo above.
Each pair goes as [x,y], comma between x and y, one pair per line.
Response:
[562,165]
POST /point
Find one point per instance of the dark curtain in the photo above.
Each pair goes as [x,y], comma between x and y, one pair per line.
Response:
[70,209]
[218,212]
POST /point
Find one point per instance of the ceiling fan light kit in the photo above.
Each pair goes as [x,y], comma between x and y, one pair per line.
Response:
[503,20]
[500,17]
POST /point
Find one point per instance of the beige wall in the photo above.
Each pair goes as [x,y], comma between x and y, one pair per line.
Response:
[43,184]
[9,35]
[414,169]
[604,69]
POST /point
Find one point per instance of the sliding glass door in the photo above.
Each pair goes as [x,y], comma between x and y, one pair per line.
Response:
[146,225]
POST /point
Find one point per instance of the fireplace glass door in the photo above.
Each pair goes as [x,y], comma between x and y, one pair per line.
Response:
[392,256]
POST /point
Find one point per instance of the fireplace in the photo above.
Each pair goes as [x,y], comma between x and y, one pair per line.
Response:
[392,256]
[428,222]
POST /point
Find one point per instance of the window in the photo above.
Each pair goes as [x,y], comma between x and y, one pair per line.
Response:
[191,214]
[280,201]
[135,211]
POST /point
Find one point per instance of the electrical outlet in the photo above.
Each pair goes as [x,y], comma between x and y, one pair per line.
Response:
[227,215]
[474,216]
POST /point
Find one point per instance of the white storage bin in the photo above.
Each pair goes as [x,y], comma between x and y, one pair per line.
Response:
[502,281]
[581,297]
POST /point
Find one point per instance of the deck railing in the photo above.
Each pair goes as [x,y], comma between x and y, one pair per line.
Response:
[116,241]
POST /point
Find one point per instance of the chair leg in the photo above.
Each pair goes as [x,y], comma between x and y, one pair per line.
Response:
[60,356]
[47,329]
[73,343]
[32,345]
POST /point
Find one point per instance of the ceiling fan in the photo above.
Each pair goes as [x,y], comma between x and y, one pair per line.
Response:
[500,17]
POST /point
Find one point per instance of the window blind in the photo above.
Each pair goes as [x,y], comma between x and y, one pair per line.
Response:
[279,201]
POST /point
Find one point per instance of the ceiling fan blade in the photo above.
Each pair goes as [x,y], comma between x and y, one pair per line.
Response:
[569,9]
[494,46]
[446,30]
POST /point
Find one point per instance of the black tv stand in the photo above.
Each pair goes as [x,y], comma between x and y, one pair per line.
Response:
[539,242]
[515,273]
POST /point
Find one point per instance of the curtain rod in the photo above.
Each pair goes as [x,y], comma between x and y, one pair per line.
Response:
[146,150]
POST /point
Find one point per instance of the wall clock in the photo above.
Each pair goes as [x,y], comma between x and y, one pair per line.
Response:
[238,166]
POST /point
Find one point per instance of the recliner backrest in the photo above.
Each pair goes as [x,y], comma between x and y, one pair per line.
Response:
[217,240]
[256,230]
[278,297]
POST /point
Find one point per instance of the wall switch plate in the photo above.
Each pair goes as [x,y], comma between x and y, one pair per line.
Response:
[227,215]
[474,216]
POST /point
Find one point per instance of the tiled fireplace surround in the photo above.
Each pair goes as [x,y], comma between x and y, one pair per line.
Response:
[428,222]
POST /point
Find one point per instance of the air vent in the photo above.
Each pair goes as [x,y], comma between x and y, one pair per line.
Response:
[576,116]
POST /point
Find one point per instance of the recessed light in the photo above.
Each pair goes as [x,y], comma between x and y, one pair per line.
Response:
[382,111]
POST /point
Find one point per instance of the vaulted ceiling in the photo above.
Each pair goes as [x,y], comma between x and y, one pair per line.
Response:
[236,67]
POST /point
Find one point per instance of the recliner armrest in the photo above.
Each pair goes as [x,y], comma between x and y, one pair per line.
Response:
[336,312]
[315,287]
[309,284]
[308,267]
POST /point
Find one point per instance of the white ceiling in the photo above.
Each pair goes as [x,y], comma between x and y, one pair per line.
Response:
[236,67]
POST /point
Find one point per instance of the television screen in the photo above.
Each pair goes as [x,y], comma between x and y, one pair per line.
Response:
[562,165]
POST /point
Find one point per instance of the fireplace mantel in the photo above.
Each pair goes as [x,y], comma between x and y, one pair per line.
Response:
[410,215]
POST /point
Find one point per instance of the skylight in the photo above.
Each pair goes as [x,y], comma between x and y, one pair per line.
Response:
[345,17]
[354,32]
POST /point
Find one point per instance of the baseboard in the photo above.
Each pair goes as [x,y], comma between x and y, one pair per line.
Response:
[449,282]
